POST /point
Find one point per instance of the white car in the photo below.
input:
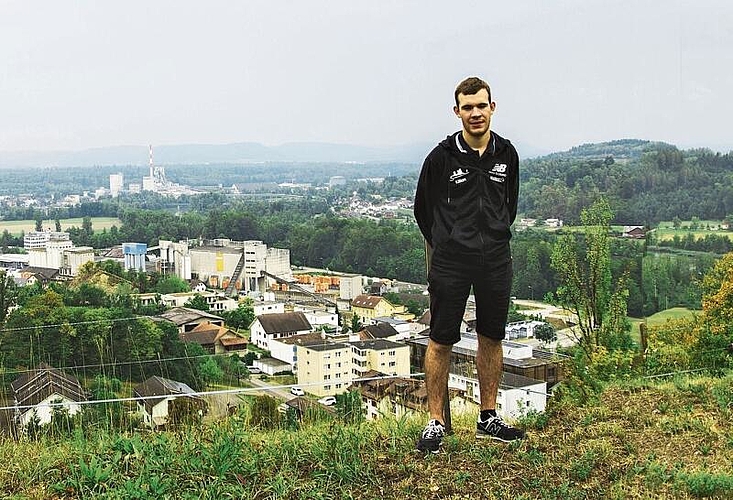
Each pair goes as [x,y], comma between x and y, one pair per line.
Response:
[297,391]
[328,401]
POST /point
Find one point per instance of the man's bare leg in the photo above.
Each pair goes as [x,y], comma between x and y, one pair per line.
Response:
[437,365]
[489,363]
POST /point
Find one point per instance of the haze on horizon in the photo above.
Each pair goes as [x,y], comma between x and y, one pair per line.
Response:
[87,74]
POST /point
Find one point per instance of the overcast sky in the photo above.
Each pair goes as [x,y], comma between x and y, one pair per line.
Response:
[84,74]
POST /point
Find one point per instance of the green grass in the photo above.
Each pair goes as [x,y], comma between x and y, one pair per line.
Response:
[621,446]
[660,318]
[666,231]
[15,227]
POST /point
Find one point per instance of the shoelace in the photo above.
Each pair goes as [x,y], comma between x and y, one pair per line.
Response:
[495,421]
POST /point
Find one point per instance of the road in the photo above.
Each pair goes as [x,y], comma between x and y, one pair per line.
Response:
[565,337]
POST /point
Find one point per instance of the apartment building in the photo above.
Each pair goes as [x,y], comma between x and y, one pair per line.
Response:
[324,368]
[392,358]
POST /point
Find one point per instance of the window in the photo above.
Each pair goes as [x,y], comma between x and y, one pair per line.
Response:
[327,377]
[392,353]
[392,364]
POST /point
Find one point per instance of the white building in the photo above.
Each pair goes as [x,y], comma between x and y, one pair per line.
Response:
[157,394]
[116,184]
[38,239]
[61,255]
[350,287]
[216,261]
[38,392]
[268,307]
[517,394]
[268,327]
[319,318]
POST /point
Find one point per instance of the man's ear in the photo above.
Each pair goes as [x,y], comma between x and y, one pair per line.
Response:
[456,111]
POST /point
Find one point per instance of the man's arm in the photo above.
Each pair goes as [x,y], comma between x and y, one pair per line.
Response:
[424,199]
[512,191]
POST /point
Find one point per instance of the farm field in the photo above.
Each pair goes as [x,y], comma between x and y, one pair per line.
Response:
[15,227]
[666,230]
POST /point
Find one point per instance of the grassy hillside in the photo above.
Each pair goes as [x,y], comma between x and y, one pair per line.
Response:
[648,439]
[660,318]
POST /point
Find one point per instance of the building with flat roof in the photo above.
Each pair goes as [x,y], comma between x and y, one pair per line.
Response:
[519,359]
[324,368]
[223,263]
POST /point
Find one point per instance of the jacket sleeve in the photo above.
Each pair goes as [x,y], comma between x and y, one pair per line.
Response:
[512,192]
[424,200]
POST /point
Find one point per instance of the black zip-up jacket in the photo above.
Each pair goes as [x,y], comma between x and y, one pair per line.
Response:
[466,199]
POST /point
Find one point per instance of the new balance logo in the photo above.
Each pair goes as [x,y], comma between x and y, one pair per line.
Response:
[499,168]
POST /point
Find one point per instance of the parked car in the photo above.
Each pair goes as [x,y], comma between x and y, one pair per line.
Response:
[328,401]
[297,391]
[253,370]
[282,408]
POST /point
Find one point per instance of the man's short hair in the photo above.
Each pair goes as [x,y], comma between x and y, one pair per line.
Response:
[470,86]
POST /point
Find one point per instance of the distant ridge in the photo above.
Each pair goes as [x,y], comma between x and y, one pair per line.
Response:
[240,152]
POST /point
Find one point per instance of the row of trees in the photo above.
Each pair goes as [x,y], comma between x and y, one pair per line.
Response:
[655,279]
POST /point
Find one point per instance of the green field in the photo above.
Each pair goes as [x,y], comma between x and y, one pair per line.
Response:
[666,230]
[660,318]
[15,227]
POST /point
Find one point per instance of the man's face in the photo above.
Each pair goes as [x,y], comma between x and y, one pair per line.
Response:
[475,112]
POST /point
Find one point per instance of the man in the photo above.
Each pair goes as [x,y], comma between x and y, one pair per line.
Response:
[465,202]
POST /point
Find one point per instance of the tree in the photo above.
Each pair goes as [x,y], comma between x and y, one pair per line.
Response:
[546,333]
[198,301]
[57,222]
[86,226]
[584,269]
[210,371]
[355,323]
[716,326]
[241,317]
[171,284]
[8,295]
[39,222]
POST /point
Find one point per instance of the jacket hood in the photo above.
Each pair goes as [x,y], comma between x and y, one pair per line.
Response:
[455,144]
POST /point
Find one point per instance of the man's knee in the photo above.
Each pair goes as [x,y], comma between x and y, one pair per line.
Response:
[490,342]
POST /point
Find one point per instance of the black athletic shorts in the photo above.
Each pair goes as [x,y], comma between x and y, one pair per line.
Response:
[451,276]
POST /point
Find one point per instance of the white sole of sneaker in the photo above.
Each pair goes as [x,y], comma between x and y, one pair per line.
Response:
[495,438]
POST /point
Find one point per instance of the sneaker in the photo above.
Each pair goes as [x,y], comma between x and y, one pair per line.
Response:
[432,437]
[496,428]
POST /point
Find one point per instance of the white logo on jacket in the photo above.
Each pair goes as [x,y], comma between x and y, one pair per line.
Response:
[458,176]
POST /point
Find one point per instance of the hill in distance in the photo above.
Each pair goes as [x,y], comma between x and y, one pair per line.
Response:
[240,152]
